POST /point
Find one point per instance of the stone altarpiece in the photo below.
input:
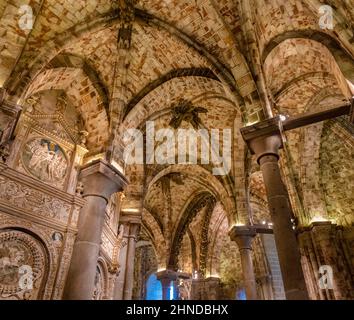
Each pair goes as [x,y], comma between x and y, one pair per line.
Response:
[39,207]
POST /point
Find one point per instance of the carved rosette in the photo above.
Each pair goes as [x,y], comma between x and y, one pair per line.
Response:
[20,251]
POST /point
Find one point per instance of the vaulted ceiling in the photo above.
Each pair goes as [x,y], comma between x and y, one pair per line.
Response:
[205,51]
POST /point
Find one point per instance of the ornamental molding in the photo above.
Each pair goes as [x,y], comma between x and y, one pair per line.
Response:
[36,126]
[21,195]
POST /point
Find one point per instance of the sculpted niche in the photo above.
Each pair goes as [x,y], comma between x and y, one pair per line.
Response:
[50,140]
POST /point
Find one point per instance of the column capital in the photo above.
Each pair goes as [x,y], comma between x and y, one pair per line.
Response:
[167,275]
[322,229]
[243,236]
[132,223]
[101,179]
[131,218]
[264,138]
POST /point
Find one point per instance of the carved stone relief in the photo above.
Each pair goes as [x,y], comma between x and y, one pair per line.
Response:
[22,266]
[184,289]
[45,160]
[99,285]
[59,252]
[101,281]
[38,202]
[107,245]
[64,266]
[49,143]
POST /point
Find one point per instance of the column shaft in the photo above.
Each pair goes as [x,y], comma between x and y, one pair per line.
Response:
[248,274]
[129,272]
[82,272]
[100,182]
[165,282]
[243,236]
[119,285]
[285,238]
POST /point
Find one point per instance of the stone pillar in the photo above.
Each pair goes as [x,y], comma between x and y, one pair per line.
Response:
[165,288]
[267,151]
[129,269]
[243,236]
[119,285]
[166,277]
[124,284]
[100,181]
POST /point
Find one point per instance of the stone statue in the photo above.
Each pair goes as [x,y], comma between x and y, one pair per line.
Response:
[83,138]
[121,232]
[185,289]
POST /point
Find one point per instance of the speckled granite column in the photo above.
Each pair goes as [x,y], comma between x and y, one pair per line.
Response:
[243,236]
[100,181]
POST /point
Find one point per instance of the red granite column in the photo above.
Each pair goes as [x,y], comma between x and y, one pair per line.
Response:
[267,152]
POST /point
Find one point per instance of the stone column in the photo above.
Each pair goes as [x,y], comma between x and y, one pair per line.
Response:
[124,284]
[100,181]
[130,259]
[119,285]
[267,151]
[243,236]
[165,288]
[166,277]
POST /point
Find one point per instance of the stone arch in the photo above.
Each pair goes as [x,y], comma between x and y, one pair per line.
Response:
[67,60]
[191,209]
[258,199]
[340,54]
[83,95]
[156,236]
[217,219]
[51,49]
[177,73]
[299,57]
[154,104]
[222,191]
[101,281]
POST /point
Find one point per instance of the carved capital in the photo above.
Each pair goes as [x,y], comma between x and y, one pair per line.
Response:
[167,275]
[101,179]
[265,146]
[264,138]
[243,236]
